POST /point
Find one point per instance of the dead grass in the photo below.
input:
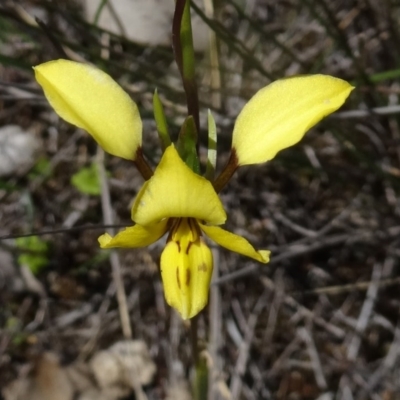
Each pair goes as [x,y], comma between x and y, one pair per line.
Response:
[323,317]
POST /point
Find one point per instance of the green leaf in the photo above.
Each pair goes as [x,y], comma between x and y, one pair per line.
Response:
[99,11]
[87,180]
[212,147]
[33,253]
[8,187]
[382,76]
[182,41]
[14,62]
[41,168]
[186,145]
[161,121]
[187,44]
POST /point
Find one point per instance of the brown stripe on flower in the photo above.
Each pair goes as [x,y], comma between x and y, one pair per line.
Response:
[177,277]
[187,277]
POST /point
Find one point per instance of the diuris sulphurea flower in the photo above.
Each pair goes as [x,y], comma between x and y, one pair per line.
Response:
[175,200]
[178,201]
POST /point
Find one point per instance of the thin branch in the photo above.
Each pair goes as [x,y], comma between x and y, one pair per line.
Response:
[215,339]
[305,335]
[114,258]
[365,314]
[240,367]
[292,303]
[386,110]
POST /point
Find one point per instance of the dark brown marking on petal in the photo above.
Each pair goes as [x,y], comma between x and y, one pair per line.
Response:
[171,224]
[203,267]
[177,277]
[188,248]
[196,227]
[179,246]
[187,277]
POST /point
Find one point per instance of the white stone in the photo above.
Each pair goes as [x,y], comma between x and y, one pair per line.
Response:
[17,149]
[148,22]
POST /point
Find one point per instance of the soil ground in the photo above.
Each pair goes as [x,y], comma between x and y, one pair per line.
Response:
[322,319]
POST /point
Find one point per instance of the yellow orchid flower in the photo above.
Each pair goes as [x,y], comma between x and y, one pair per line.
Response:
[178,201]
[175,199]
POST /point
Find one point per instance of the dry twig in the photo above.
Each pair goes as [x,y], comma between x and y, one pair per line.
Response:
[114,258]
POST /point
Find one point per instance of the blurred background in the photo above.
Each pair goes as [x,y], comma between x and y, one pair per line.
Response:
[321,321]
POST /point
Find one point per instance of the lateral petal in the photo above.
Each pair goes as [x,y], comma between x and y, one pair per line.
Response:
[235,243]
[134,236]
[281,113]
[176,191]
[87,97]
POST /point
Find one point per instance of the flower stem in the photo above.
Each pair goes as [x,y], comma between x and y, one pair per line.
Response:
[230,168]
[200,386]
[194,339]
[142,165]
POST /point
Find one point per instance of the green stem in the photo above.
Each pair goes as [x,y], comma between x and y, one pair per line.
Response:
[194,339]
[200,387]
[98,11]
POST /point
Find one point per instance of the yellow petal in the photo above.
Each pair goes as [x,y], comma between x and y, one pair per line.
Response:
[134,236]
[235,243]
[90,99]
[280,114]
[176,191]
[186,270]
